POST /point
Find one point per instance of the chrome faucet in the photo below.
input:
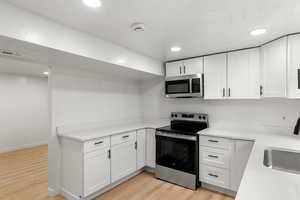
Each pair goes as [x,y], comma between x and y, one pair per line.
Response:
[297,127]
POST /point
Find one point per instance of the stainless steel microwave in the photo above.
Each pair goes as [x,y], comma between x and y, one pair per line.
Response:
[185,86]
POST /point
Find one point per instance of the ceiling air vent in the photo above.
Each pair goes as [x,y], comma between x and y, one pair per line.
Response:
[138,27]
[7,52]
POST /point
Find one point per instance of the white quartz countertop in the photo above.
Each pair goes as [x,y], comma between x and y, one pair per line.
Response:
[106,130]
[260,182]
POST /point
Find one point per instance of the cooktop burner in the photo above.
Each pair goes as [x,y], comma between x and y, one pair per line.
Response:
[186,123]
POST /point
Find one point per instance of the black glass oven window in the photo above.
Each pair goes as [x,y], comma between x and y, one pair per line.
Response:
[178,86]
[196,84]
[176,154]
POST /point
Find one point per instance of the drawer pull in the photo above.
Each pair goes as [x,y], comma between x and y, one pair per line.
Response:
[213,175]
[212,156]
[96,143]
[125,136]
[215,141]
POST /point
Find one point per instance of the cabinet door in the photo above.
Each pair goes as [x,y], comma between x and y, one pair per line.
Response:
[174,69]
[141,148]
[96,171]
[150,148]
[242,152]
[123,160]
[274,59]
[243,75]
[294,66]
[193,66]
[215,76]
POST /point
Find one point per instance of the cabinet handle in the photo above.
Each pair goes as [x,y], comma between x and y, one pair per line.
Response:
[213,175]
[96,143]
[135,145]
[125,136]
[261,90]
[223,92]
[109,154]
[298,78]
[213,156]
[214,141]
[229,92]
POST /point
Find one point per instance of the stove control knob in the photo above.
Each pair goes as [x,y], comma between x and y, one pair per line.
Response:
[204,118]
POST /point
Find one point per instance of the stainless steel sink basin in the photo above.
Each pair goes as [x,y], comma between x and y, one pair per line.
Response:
[282,159]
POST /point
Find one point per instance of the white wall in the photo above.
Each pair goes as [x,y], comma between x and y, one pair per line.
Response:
[24,111]
[274,115]
[80,99]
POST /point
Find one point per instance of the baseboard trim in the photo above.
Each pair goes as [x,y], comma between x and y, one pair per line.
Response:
[52,192]
[71,196]
[111,186]
[149,169]
[218,189]
[23,146]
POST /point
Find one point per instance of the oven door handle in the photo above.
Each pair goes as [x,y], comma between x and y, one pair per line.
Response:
[177,136]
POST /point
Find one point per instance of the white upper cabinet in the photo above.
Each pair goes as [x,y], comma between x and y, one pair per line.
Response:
[215,76]
[184,67]
[141,148]
[174,69]
[274,59]
[193,66]
[243,74]
[294,66]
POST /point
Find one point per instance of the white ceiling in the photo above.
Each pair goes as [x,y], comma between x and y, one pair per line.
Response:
[35,59]
[198,26]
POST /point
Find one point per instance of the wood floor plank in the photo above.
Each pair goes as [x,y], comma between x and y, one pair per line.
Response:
[24,176]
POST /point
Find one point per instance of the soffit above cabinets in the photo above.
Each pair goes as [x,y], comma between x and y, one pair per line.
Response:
[197,26]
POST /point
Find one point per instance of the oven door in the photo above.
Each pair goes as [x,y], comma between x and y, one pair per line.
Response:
[178,152]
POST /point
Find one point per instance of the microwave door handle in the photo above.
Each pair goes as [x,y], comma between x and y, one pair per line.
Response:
[191,85]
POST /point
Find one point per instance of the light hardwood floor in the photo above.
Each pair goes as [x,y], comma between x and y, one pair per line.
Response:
[24,176]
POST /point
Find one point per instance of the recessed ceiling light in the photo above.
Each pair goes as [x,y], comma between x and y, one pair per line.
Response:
[92,3]
[175,49]
[46,73]
[138,27]
[259,31]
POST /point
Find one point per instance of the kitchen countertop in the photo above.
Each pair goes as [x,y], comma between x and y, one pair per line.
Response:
[83,135]
[260,182]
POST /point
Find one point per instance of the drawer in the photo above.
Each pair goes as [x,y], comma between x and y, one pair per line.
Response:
[215,157]
[214,176]
[124,137]
[96,144]
[216,142]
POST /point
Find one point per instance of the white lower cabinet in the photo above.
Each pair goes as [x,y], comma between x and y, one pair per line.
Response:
[223,161]
[96,170]
[141,148]
[123,160]
[88,167]
[215,176]
[150,148]
[239,161]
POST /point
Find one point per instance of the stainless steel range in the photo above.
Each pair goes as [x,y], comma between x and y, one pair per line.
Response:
[177,149]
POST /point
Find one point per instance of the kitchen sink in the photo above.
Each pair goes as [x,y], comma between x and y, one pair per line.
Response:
[282,159]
